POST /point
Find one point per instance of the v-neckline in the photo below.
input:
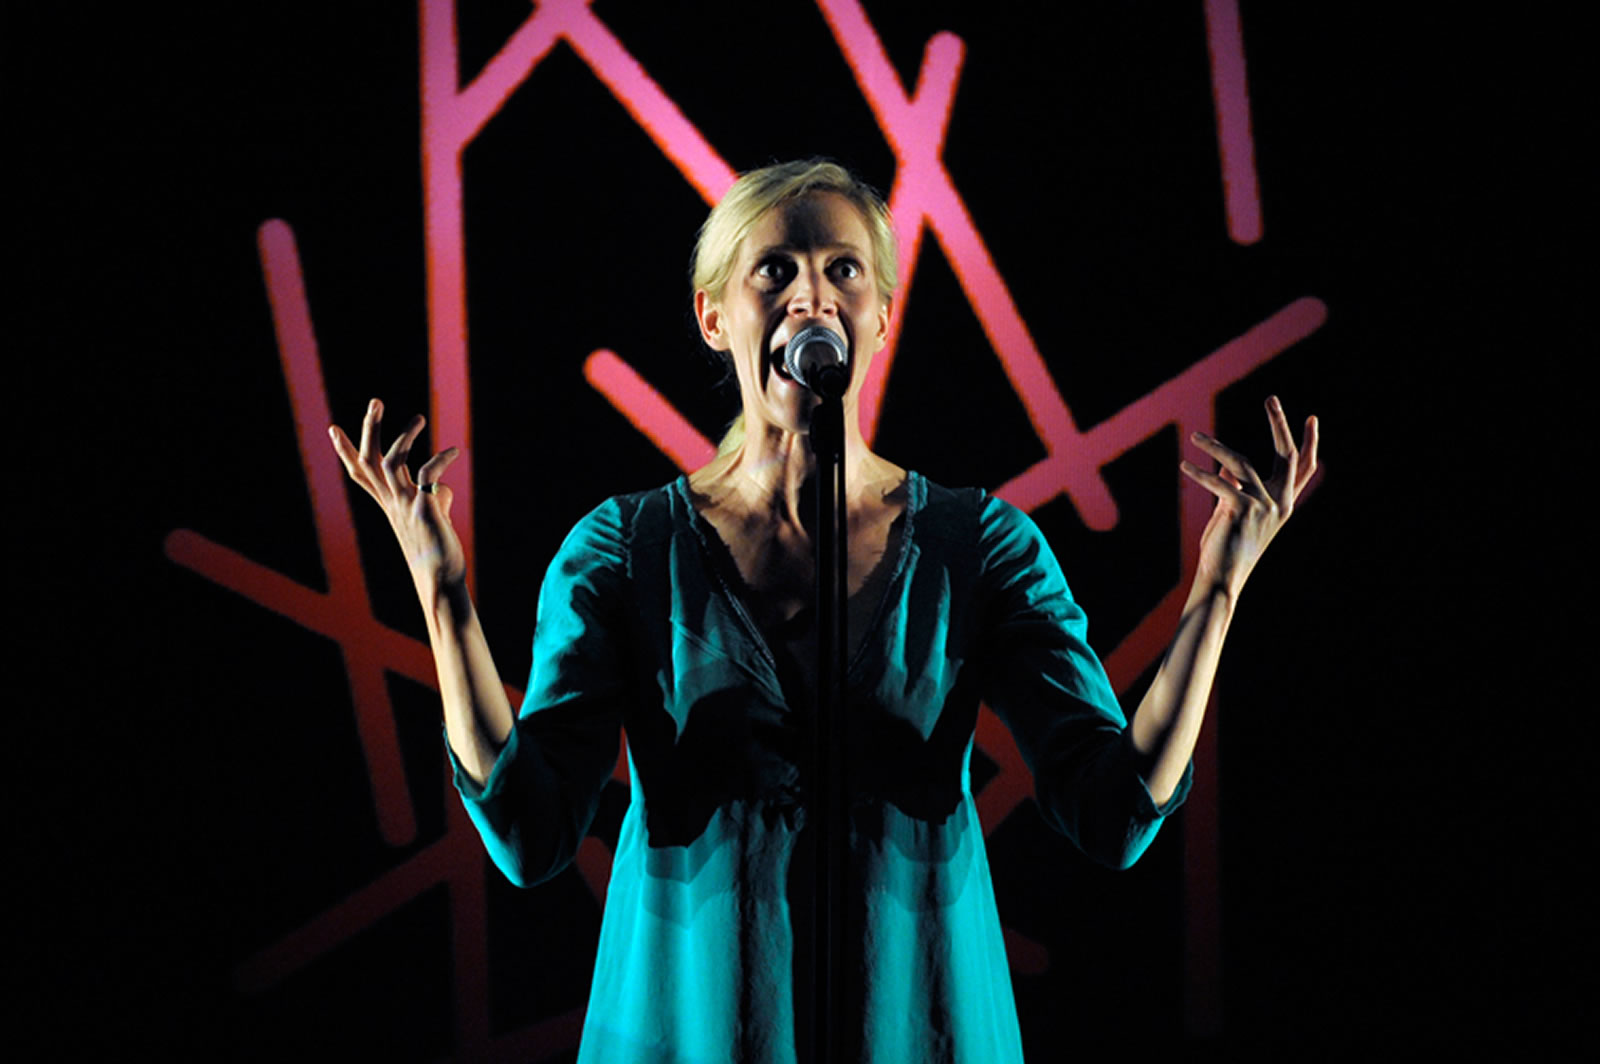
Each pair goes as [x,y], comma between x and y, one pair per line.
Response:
[725,571]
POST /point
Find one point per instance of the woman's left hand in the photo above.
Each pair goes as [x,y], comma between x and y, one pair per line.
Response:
[1249,512]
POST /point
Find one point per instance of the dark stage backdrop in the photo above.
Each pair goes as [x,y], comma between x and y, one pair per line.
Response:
[1119,223]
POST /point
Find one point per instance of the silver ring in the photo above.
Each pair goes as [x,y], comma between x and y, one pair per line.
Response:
[428,489]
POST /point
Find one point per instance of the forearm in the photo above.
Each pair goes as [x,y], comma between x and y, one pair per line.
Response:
[1168,720]
[477,714]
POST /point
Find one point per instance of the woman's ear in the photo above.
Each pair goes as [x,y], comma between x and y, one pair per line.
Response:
[709,317]
[884,314]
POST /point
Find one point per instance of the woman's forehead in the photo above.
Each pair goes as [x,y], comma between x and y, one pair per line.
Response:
[815,220]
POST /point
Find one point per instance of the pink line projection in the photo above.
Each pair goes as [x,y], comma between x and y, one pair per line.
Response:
[651,414]
[451,118]
[313,610]
[431,865]
[1187,401]
[370,648]
[923,196]
[1012,784]
[344,607]
[652,108]
[1225,42]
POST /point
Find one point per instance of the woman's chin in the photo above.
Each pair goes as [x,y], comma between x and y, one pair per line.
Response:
[789,403]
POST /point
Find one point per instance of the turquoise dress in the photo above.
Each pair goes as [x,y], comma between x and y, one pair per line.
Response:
[703,953]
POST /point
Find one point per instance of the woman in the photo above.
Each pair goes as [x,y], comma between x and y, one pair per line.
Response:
[683,614]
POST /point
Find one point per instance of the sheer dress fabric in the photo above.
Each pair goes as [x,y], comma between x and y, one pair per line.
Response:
[704,952]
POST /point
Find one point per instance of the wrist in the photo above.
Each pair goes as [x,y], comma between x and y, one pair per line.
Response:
[446,604]
[1215,593]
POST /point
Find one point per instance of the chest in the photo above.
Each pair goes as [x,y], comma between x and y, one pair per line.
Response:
[773,573]
[776,566]
[724,695]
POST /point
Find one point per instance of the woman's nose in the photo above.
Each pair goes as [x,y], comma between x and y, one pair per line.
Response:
[812,296]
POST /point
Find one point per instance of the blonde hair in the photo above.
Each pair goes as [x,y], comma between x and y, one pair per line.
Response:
[758,191]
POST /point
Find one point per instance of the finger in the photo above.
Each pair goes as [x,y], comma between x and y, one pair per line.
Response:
[434,467]
[1231,461]
[1214,484]
[1286,467]
[341,445]
[1282,441]
[395,469]
[369,431]
[349,458]
[439,493]
[1308,454]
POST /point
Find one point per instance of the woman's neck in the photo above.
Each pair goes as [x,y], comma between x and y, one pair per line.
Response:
[771,475]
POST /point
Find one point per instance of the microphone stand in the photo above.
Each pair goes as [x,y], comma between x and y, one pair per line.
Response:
[829,795]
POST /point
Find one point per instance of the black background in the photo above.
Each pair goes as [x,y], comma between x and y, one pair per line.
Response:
[1404,722]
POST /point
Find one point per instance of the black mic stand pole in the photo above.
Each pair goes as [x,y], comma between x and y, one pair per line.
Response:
[829,791]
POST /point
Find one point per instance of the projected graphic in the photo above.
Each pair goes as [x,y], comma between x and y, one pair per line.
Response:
[925,201]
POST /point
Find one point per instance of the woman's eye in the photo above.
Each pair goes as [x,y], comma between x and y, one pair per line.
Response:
[849,269]
[777,271]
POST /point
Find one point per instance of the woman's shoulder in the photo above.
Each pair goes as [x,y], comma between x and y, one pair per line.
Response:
[622,523]
[964,512]
[998,535]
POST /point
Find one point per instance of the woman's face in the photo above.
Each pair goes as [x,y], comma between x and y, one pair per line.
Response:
[807,260]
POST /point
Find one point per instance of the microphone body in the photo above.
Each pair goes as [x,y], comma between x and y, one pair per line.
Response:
[817,357]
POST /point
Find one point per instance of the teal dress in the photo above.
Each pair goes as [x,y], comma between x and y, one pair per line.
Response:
[703,953]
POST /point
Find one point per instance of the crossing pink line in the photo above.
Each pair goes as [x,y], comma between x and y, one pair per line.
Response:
[313,610]
[923,190]
[451,118]
[925,120]
[447,127]
[1231,95]
[431,865]
[677,137]
[657,419]
[504,73]
[336,542]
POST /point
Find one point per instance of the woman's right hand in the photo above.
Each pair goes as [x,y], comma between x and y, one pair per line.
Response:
[418,511]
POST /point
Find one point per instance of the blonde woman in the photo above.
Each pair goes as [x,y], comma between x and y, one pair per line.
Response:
[684,615]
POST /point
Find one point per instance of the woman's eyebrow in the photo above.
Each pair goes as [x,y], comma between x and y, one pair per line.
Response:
[792,249]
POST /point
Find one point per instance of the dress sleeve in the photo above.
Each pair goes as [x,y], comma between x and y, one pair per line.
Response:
[541,795]
[1052,692]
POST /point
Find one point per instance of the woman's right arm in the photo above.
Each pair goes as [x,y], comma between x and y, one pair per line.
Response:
[477,714]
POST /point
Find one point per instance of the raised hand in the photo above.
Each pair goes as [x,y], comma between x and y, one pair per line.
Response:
[418,511]
[1249,511]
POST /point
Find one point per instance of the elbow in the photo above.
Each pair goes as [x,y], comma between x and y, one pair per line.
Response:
[521,868]
[507,856]
[522,872]
[1121,850]
[1114,838]
[515,874]
[1121,860]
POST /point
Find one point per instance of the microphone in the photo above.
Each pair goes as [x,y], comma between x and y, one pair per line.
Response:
[816,356]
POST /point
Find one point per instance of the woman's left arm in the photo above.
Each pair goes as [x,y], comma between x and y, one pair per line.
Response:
[1248,514]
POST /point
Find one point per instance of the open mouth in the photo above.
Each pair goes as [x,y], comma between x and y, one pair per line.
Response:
[778,350]
[775,358]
